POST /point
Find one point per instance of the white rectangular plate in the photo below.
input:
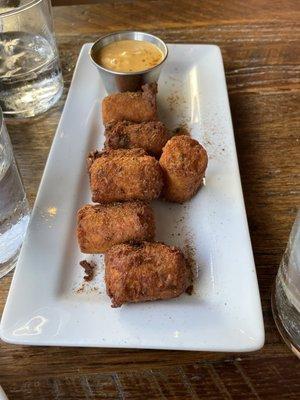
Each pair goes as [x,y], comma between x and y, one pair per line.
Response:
[48,303]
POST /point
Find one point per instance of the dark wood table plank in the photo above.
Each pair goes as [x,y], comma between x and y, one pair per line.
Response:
[265,379]
[259,41]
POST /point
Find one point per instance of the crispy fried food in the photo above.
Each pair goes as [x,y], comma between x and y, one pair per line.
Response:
[131,106]
[183,162]
[146,271]
[101,226]
[124,175]
[150,136]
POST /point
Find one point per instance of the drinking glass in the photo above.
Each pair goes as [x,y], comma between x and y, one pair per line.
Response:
[30,74]
[286,291]
[14,210]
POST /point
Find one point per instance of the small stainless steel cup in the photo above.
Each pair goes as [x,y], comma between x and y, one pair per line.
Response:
[127,81]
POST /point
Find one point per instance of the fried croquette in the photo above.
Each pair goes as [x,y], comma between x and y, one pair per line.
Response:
[145,271]
[124,175]
[101,226]
[150,136]
[183,162]
[131,106]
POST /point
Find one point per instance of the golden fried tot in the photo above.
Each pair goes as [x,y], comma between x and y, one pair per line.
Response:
[131,106]
[145,271]
[150,136]
[101,226]
[183,162]
[124,175]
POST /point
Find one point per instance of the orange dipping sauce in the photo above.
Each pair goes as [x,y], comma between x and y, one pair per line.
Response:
[129,56]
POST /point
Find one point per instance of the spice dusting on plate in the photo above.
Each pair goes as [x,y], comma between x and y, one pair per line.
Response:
[190,256]
[189,290]
[85,288]
[89,269]
[182,130]
[174,100]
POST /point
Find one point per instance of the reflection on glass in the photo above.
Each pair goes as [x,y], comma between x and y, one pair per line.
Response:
[286,293]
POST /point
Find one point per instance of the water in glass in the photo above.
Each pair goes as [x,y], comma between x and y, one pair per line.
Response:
[14,210]
[30,76]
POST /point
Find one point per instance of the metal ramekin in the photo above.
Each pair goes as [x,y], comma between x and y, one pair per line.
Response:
[127,81]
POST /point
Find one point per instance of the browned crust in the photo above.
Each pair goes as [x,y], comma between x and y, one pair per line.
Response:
[124,175]
[144,272]
[183,162]
[89,270]
[131,106]
[101,226]
[149,92]
[151,136]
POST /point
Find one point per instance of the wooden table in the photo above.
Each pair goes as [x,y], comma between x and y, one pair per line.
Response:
[260,42]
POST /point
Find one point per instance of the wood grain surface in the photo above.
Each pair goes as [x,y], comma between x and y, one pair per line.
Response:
[260,43]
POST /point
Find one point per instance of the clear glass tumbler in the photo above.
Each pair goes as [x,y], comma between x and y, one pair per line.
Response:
[14,210]
[30,74]
[286,291]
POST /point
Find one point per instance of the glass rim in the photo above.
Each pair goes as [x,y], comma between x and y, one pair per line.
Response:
[1,120]
[16,10]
